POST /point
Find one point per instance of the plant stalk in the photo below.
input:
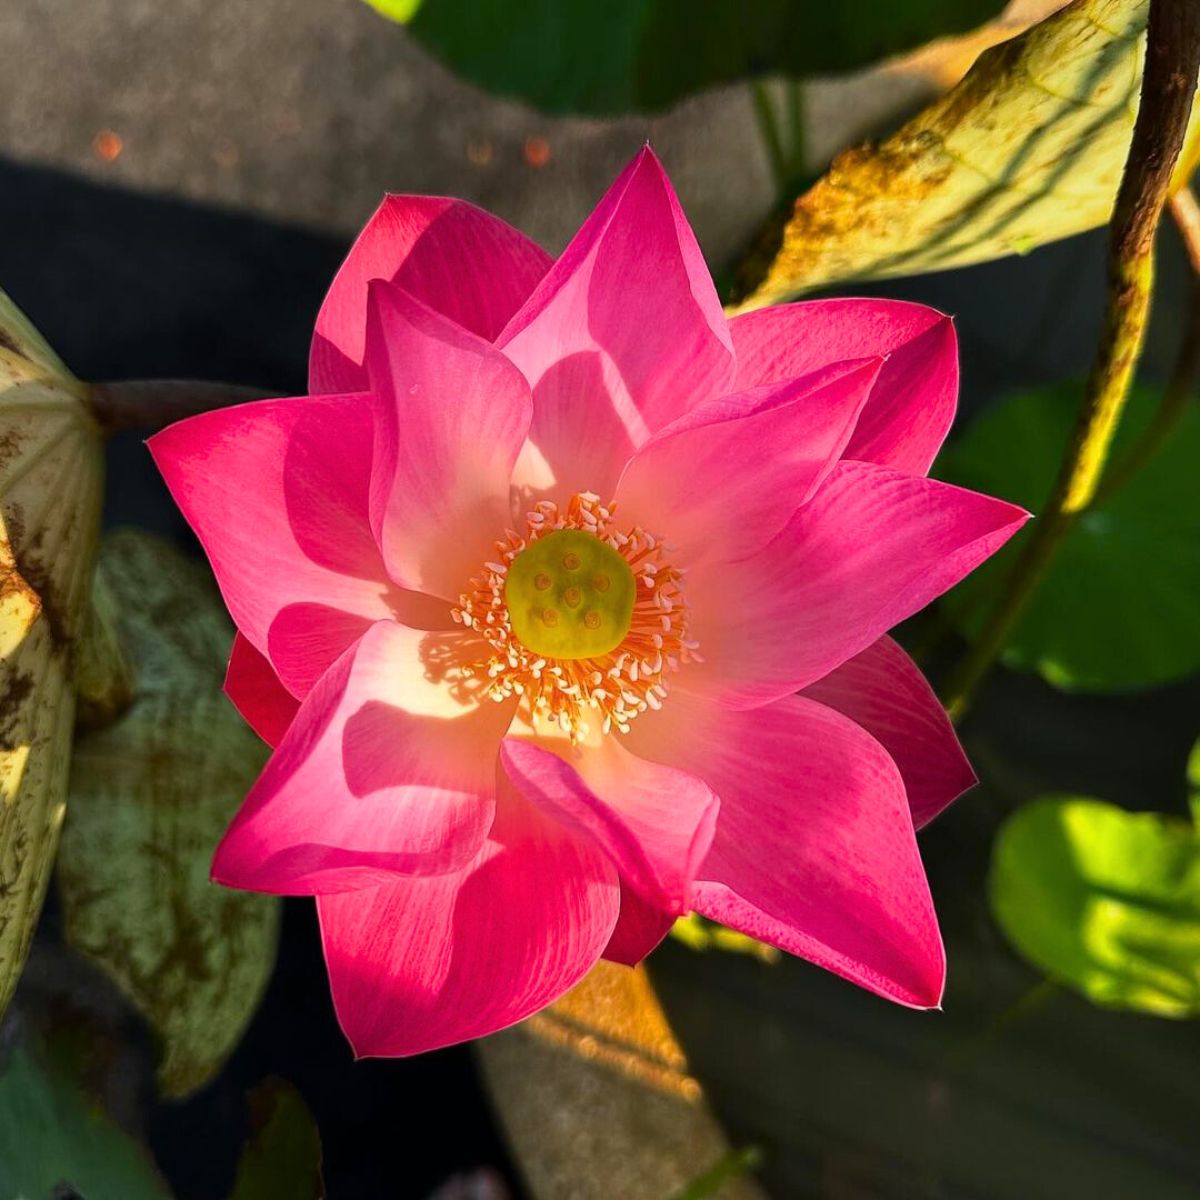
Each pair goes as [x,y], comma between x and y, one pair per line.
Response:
[768,124]
[153,403]
[1168,87]
[1182,383]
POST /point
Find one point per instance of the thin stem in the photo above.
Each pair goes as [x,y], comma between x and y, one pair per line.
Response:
[153,403]
[732,1165]
[768,126]
[1168,85]
[1181,386]
[795,103]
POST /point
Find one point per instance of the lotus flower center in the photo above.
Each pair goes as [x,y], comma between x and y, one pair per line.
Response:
[570,596]
[579,616]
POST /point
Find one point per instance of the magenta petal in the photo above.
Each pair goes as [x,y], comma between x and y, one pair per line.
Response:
[871,548]
[277,494]
[656,822]
[726,478]
[453,414]
[454,257]
[912,405]
[640,928]
[381,770]
[883,690]
[624,334]
[814,851]
[254,688]
[430,961]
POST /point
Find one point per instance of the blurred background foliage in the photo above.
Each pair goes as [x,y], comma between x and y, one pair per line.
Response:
[999,132]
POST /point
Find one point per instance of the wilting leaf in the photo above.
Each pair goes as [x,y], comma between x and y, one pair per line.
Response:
[1104,900]
[51,479]
[1118,608]
[54,1141]
[151,796]
[1028,148]
[628,55]
[283,1153]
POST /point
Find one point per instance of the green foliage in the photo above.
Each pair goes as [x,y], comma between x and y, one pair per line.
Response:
[152,795]
[53,1136]
[1118,608]
[643,55]
[283,1153]
[1103,900]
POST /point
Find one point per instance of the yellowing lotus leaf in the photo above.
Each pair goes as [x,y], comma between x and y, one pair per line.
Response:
[51,479]
[1026,149]
[151,795]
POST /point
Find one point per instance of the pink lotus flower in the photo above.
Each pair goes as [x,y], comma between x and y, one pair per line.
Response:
[563,600]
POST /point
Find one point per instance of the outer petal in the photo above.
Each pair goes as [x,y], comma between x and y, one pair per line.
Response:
[725,479]
[430,961]
[277,494]
[912,406]
[456,258]
[624,334]
[883,690]
[251,683]
[814,851]
[640,928]
[868,550]
[656,822]
[382,770]
[453,413]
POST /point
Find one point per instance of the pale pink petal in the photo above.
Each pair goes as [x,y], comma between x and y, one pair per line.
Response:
[871,548]
[912,406]
[623,334]
[814,850]
[883,690]
[254,688]
[654,821]
[453,413]
[456,258]
[430,961]
[725,479]
[383,769]
[640,928]
[277,492]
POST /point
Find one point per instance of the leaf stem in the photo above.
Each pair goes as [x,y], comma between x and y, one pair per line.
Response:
[1168,86]
[768,126]
[1182,383]
[153,403]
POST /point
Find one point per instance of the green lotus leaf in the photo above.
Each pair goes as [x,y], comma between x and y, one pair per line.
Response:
[151,795]
[1118,607]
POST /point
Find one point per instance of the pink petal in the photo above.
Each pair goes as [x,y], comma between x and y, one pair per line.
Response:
[871,548]
[276,493]
[640,928]
[912,406]
[883,690]
[382,770]
[814,851]
[655,822]
[265,704]
[726,478]
[453,414]
[624,334]
[456,258]
[430,961]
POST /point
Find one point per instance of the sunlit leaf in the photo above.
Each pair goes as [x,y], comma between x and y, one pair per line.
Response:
[51,479]
[1028,148]
[283,1153]
[697,932]
[629,55]
[56,1142]
[1104,900]
[151,796]
[1119,606]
